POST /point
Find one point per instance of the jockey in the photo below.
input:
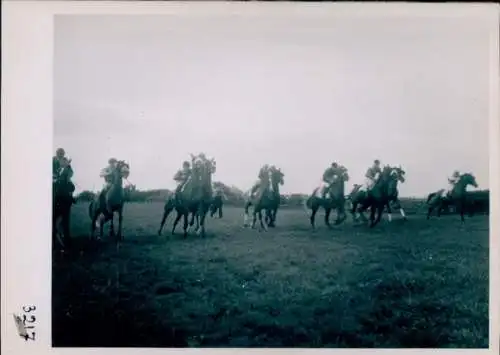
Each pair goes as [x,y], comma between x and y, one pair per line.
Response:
[107,174]
[263,177]
[59,165]
[452,181]
[372,174]
[57,161]
[330,174]
[454,178]
[62,164]
[182,176]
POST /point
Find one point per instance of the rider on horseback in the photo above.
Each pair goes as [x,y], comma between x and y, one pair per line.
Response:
[329,176]
[263,178]
[107,174]
[59,164]
[372,174]
[182,176]
[452,181]
[59,161]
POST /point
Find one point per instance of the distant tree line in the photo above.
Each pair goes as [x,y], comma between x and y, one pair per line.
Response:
[233,196]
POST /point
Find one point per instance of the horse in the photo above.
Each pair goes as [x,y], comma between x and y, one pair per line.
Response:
[270,217]
[195,198]
[62,201]
[397,175]
[457,197]
[104,207]
[169,206]
[375,199]
[334,199]
[267,198]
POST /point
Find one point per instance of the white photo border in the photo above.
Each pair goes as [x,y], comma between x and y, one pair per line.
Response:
[27,132]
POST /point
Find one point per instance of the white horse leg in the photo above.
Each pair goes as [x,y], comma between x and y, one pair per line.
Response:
[402,211]
[197,219]
[389,216]
[245,219]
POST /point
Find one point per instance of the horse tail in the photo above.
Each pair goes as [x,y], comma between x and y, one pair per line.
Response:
[430,197]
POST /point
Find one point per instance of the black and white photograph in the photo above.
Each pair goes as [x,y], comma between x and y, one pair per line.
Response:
[265,176]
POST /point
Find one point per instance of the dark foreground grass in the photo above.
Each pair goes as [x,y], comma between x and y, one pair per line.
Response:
[414,284]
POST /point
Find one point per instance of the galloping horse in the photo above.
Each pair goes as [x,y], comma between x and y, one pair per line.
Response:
[334,199]
[103,208]
[375,199]
[195,198]
[62,200]
[267,198]
[457,197]
[397,175]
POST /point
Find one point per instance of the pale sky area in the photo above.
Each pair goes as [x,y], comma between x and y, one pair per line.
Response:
[297,93]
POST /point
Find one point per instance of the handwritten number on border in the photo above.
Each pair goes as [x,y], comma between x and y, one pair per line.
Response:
[26,322]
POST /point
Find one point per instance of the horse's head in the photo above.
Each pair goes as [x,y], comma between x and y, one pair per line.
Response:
[203,169]
[384,177]
[398,174]
[467,179]
[122,170]
[277,176]
[344,174]
[66,172]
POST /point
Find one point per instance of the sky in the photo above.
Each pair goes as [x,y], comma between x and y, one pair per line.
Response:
[296,92]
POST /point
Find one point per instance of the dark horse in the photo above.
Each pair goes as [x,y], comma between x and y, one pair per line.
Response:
[457,197]
[267,198]
[397,175]
[334,199]
[62,200]
[195,198]
[375,199]
[104,207]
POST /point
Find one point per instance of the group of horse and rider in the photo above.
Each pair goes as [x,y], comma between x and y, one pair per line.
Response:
[195,192]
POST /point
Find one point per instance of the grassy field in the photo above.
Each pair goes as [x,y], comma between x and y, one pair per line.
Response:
[406,284]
